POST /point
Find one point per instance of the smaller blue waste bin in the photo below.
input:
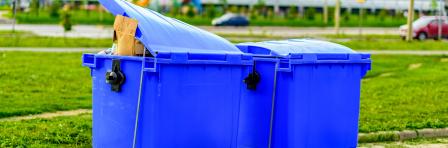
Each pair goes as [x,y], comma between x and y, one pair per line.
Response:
[316,92]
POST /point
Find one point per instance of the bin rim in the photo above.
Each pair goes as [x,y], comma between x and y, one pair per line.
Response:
[304,51]
[89,59]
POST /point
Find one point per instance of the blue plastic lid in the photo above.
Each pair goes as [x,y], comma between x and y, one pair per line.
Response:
[286,48]
[163,34]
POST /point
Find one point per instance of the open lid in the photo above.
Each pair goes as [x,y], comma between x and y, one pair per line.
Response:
[163,34]
[285,48]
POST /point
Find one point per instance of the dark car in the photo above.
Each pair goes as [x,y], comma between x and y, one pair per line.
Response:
[231,19]
[427,27]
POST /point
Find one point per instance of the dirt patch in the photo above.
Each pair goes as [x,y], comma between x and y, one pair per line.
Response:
[444,60]
[415,66]
[387,74]
[48,115]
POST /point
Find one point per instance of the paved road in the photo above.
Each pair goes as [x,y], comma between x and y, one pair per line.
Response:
[94,50]
[91,31]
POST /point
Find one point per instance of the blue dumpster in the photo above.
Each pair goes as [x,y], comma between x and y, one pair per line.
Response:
[316,91]
[187,94]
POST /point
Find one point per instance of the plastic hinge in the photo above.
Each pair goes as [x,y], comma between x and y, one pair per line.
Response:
[284,66]
[89,60]
[150,65]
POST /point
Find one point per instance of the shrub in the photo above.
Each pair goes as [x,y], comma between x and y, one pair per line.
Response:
[382,15]
[191,12]
[211,11]
[292,12]
[270,14]
[260,8]
[34,7]
[233,9]
[54,8]
[253,13]
[66,19]
[310,13]
[346,15]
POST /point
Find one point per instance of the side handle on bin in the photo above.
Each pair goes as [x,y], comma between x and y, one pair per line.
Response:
[115,77]
[252,79]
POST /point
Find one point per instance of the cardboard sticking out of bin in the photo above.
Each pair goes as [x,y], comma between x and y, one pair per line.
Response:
[124,37]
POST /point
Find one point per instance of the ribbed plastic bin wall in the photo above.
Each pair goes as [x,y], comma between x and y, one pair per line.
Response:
[317,91]
[186,101]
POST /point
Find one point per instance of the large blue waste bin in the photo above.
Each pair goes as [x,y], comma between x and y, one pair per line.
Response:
[191,89]
[187,100]
[316,91]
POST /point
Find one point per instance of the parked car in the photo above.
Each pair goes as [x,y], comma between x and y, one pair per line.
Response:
[231,19]
[426,27]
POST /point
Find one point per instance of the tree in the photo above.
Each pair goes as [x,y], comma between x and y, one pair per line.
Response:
[224,4]
[409,36]
[233,9]
[66,19]
[191,12]
[253,13]
[34,7]
[337,14]
[211,11]
[54,8]
[382,15]
[292,12]
[434,6]
[260,8]
[310,13]
[347,15]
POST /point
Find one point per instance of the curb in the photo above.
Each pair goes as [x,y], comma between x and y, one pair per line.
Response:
[402,135]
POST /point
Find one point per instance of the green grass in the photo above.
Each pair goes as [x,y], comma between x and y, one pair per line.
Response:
[26,39]
[393,96]
[5,7]
[78,17]
[42,82]
[74,131]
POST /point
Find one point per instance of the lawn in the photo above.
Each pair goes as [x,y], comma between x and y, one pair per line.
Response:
[401,92]
[78,17]
[74,131]
[27,39]
[405,92]
[42,82]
